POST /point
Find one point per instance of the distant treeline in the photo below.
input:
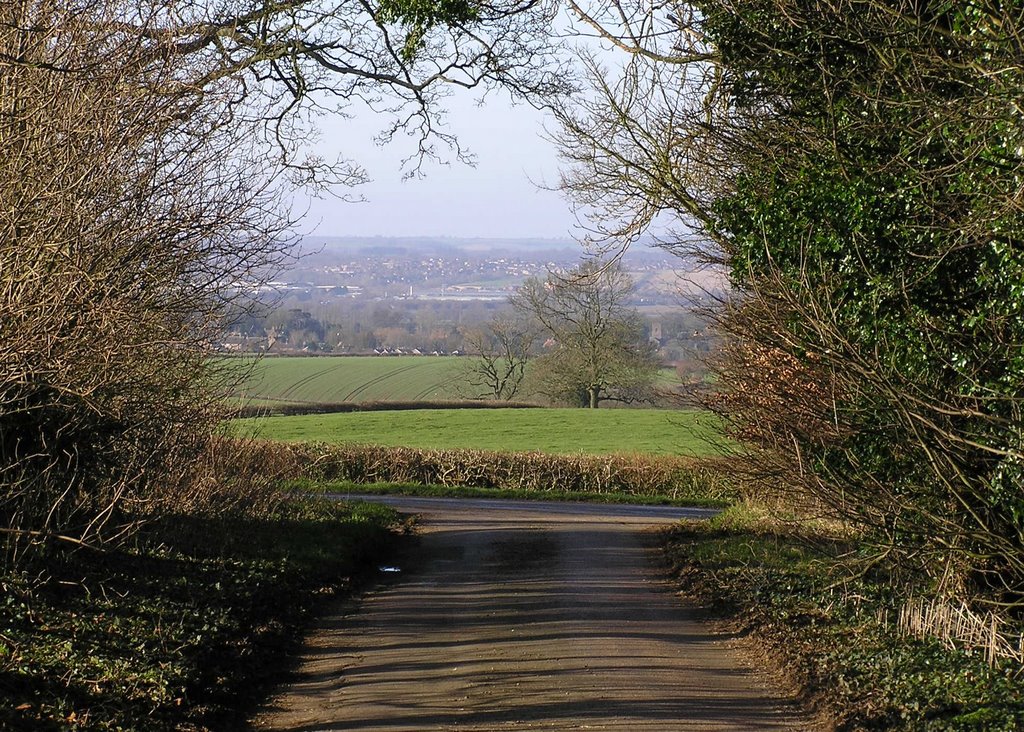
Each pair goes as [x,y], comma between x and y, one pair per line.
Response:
[357,327]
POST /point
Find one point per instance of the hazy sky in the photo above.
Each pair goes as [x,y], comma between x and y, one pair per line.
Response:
[494,199]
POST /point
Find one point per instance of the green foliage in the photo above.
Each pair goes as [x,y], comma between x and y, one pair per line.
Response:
[873,217]
[428,13]
[421,16]
[184,631]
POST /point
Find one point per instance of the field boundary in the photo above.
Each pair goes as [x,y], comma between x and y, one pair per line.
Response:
[295,408]
[675,478]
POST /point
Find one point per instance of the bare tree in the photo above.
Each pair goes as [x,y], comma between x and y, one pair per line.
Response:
[599,349]
[290,61]
[130,206]
[146,153]
[500,351]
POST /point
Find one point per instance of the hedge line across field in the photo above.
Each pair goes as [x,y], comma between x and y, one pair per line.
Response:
[298,408]
[676,478]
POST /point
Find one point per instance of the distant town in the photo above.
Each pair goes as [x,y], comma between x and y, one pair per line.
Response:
[418,296]
[431,269]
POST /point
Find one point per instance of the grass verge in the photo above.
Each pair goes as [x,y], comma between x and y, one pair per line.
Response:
[780,583]
[186,630]
[445,491]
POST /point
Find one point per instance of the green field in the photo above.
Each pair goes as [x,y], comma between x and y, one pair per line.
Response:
[566,431]
[330,380]
[277,380]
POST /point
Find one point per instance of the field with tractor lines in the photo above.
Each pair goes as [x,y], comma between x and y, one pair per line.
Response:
[331,380]
[310,380]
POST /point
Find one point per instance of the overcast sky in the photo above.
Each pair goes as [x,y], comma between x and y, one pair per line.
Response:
[497,198]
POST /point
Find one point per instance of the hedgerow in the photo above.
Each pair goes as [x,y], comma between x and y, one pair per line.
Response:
[634,475]
[296,408]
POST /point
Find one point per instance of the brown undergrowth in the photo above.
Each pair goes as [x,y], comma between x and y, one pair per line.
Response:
[792,587]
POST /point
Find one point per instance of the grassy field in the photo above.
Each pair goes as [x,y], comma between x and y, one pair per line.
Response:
[565,431]
[298,379]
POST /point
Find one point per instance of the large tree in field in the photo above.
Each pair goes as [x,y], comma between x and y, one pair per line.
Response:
[856,166]
[146,150]
[599,351]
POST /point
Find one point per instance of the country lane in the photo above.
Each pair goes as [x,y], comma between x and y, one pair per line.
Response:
[528,616]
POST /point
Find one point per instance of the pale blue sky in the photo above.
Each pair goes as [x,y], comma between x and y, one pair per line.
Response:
[497,198]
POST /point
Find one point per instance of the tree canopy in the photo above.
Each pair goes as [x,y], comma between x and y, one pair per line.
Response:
[856,168]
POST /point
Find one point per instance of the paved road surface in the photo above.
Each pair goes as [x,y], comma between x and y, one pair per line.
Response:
[527,616]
